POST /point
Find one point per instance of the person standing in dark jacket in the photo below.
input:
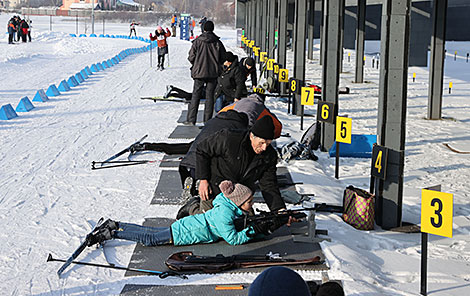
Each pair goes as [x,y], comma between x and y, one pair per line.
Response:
[240,156]
[247,68]
[206,57]
[230,84]
[11,30]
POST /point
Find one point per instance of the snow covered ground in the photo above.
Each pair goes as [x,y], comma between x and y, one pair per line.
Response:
[48,191]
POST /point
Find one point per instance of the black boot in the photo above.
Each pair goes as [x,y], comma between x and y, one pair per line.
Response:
[102,232]
[188,208]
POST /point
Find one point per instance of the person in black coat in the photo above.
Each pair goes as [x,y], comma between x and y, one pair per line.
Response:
[206,56]
[240,156]
[247,68]
[230,84]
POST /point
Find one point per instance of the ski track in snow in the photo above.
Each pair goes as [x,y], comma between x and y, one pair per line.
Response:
[49,191]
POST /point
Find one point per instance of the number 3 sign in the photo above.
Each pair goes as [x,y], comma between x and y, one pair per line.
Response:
[436,212]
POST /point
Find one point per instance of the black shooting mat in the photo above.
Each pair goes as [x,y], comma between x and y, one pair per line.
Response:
[184,116]
[185,132]
[280,241]
[171,161]
[141,290]
[169,188]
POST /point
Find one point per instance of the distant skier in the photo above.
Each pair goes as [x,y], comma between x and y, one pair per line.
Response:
[201,23]
[160,36]
[24,27]
[11,30]
[192,25]
[174,23]
[132,26]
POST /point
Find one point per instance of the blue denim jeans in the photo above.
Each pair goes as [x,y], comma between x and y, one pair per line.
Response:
[148,236]
[219,103]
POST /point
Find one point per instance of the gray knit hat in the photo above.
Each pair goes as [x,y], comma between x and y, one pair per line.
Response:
[237,192]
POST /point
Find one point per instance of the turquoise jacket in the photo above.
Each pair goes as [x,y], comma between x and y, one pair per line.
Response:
[211,226]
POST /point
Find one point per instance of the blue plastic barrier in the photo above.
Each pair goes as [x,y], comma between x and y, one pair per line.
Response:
[360,147]
[82,35]
[94,68]
[101,35]
[24,105]
[107,35]
[104,65]
[7,112]
[109,62]
[64,86]
[92,35]
[100,66]
[72,82]
[40,96]
[112,36]
[79,77]
[115,60]
[84,74]
[52,91]
[88,71]
[72,35]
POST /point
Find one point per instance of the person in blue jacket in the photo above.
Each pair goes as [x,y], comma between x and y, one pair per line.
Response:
[207,227]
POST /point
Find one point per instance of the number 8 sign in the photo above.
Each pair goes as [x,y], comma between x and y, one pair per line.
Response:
[436,212]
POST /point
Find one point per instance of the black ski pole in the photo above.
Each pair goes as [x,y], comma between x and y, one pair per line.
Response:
[105,165]
[161,274]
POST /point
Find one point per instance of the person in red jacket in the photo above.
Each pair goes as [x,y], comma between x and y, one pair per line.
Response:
[161,36]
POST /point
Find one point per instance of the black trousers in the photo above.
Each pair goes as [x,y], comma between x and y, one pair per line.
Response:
[179,93]
[198,89]
[11,37]
[161,60]
[135,33]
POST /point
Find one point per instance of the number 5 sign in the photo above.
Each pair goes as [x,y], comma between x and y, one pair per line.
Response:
[343,129]
[436,212]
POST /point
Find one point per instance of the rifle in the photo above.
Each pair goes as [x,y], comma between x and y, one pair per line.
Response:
[283,216]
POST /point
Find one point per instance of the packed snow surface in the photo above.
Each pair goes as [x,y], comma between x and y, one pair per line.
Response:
[49,193]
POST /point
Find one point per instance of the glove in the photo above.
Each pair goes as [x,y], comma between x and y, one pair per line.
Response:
[276,223]
[262,227]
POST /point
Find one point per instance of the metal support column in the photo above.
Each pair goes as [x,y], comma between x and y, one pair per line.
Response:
[360,37]
[299,48]
[332,14]
[436,69]
[264,23]
[310,21]
[258,17]
[282,37]
[322,40]
[271,27]
[391,124]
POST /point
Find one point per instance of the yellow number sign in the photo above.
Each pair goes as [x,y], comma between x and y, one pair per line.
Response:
[307,96]
[283,75]
[256,50]
[252,43]
[276,69]
[343,129]
[436,212]
[262,56]
[270,65]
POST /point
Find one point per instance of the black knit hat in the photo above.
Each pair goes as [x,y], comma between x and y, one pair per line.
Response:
[230,57]
[209,26]
[264,128]
[249,61]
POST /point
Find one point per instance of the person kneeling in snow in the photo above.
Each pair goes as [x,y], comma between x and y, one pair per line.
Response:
[160,36]
[209,227]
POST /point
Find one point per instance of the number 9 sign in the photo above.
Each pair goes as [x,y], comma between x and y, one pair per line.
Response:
[436,212]
[283,75]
